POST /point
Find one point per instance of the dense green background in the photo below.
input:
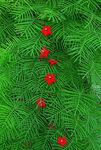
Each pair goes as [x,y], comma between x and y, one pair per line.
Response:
[74,101]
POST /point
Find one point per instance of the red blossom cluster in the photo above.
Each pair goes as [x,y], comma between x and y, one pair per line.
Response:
[49,78]
[44,52]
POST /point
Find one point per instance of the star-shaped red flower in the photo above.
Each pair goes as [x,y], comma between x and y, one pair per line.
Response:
[44,52]
[41,102]
[46,30]
[50,78]
[61,140]
[52,61]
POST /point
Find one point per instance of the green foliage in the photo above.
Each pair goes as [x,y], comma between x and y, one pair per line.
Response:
[73,101]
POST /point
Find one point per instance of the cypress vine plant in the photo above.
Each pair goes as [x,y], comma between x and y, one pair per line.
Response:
[50,74]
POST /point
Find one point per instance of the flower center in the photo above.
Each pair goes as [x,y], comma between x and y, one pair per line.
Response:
[61,140]
[42,51]
[50,77]
[45,29]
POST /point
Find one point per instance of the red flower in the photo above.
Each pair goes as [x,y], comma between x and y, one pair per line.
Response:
[46,30]
[52,61]
[41,102]
[61,140]
[44,52]
[50,78]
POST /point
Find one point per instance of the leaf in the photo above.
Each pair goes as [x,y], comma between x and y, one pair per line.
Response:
[9,118]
